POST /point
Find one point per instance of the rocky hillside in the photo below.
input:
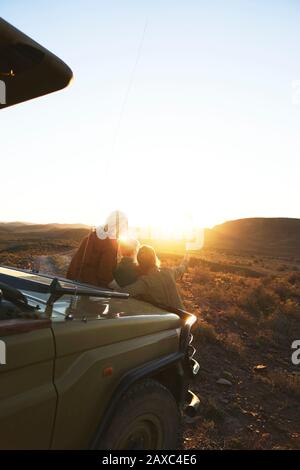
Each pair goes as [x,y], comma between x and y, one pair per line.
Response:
[274,236]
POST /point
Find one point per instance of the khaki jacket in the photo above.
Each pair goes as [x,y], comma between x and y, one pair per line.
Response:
[158,286]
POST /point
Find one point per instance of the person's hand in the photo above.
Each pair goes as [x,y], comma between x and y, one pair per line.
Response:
[114,285]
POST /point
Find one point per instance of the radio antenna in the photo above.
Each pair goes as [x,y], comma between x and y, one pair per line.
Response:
[125,99]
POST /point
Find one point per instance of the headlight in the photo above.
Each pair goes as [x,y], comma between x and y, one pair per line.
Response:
[191,320]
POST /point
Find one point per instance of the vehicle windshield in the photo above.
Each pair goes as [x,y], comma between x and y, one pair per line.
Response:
[34,295]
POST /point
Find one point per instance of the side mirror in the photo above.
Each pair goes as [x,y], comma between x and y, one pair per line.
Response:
[27,70]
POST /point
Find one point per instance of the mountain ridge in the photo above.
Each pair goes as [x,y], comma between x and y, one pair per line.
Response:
[269,235]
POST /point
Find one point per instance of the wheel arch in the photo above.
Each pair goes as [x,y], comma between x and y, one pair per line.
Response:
[167,371]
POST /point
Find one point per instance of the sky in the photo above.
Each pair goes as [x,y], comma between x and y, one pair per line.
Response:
[179,111]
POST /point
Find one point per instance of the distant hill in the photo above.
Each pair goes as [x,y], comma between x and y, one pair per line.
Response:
[274,236]
[270,236]
[21,227]
[19,231]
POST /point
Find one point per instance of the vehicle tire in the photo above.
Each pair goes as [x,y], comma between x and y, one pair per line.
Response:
[147,417]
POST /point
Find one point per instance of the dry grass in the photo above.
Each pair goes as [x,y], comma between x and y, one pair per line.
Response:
[286,381]
[245,320]
[233,342]
[204,332]
[248,309]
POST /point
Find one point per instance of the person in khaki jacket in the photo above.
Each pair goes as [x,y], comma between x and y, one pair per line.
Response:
[156,285]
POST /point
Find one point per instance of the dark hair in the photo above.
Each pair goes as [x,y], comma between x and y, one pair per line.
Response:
[147,259]
[128,247]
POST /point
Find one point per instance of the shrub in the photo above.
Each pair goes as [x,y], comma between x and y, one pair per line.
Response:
[212,411]
[279,324]
[286,381]
[233,343]
[204,332]
[290,308]
[294,277]
[201,276]
[260,301]
[282,289]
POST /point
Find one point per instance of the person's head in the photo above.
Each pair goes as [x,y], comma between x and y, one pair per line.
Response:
[116,226]
[117,221]
[128,247]
[147,259]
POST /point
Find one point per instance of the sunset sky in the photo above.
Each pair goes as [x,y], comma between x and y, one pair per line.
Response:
[179,110]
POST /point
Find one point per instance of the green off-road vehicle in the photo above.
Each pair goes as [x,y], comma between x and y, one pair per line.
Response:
[82,367]
[90,368]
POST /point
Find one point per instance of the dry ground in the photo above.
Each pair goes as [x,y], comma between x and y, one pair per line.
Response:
[248,310]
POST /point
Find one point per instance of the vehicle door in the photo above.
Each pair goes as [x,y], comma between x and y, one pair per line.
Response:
[27,394]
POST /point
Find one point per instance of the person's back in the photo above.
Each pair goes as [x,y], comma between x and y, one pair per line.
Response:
[94,261]
[96,258]
[159,286]
[127,271]
[156,285]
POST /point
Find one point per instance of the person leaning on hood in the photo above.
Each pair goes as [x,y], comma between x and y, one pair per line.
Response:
[156,285]
[127,270]
[96,258]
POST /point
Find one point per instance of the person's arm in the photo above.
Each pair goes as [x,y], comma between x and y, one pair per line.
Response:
[114,285]
[135,289]
[178,271]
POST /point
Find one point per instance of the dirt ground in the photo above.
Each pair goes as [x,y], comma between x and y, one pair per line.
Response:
[248,310]
[248,315]
[246,325]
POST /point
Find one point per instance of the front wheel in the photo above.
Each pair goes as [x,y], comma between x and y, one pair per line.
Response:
[147,417]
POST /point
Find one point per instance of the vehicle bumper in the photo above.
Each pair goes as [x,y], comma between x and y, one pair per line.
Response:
[190,365]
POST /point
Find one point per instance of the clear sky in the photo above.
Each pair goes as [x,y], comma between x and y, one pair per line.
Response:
[178,109]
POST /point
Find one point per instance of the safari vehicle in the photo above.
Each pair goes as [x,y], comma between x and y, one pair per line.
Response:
[90,368]
[82,367]
[27,69]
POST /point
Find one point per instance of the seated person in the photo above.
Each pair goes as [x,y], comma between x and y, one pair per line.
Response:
[156,285]
[127,270]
